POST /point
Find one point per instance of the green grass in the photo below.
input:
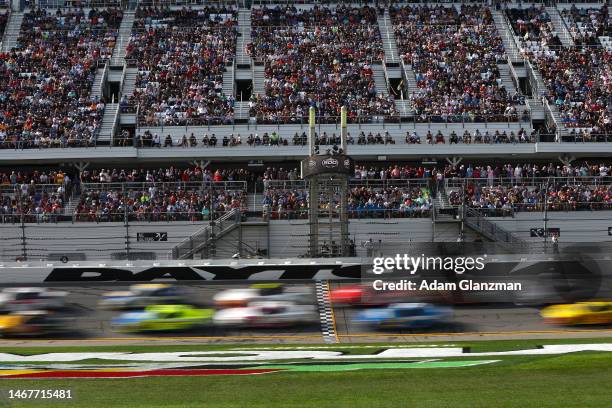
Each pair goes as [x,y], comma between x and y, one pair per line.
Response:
[572,380]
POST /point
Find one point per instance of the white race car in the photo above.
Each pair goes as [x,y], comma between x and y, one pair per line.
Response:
[142,295]
[262,292]
[266,314]
[17,299]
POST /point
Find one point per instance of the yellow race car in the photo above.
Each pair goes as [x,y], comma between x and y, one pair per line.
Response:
[578,313]
[30,323]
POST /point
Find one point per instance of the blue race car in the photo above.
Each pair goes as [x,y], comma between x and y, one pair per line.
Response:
[404,316]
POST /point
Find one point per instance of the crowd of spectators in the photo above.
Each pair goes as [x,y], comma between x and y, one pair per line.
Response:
[45,80]
[503,200]
[587,24]
[181,56]
[579,82]
[158,202]
[150,139]
[454,55]
[320,57]
[363,202]
[393,190]
[36,196]
[533,25]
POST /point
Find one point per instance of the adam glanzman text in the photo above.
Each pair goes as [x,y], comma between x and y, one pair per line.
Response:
[434,284]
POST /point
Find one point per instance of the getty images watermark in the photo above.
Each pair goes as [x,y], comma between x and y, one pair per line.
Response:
[434,273]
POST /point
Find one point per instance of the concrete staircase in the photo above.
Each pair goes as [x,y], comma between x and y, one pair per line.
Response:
[506,78]
[404,107]
[129,83]
[241,110]
[410,82]
[380,79]
[125,31]
[505,32]
[560,27]
[72,205]
[536,107]
[11,31]
[388,38]
[255,202]
[96,88]
[108,124]
[244,36]
[228,80]
[258,79]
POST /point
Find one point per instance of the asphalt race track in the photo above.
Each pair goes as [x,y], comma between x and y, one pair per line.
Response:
[87,322]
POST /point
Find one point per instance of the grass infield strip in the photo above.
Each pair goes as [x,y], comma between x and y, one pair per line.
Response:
[565,380]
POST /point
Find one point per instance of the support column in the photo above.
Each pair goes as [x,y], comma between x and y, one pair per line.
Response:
[566,160]
[454,161]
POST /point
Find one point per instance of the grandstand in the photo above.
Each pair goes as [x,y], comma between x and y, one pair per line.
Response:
[122,123]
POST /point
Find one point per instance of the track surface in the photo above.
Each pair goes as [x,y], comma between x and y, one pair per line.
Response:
[90,324]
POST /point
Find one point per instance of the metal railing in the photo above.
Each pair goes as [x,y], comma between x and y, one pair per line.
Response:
[475,220]
[205,236]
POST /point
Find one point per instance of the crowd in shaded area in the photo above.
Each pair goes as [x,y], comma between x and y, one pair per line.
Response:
[45,80]
[321,57]
[454,55]
[181,56]
[579,83]
[587,24]
[533,25]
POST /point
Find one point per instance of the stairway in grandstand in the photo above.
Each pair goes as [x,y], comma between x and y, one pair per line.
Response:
[388,38]
[505,32]
[258,79]
[244,36]
[111,115]
[255,202]
[410,82]
[560,27]
[11,31]
[129,82]
[72,205]
[228,80]
[241,110]
[380,79]
[404,107]
[96,88]
[537,99]
[536,108]
[125,31]
[506,78]
[203,241]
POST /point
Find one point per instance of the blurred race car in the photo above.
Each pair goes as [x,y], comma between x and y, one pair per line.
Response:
[15,299]
[262,292]
[365,295]
[266,314]
[142,295]
[578,313]
[163,318]
[30,323]
[404,315]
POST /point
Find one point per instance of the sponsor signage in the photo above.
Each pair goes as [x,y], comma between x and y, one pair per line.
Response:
[151,236]
[337,164]
[539,232]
